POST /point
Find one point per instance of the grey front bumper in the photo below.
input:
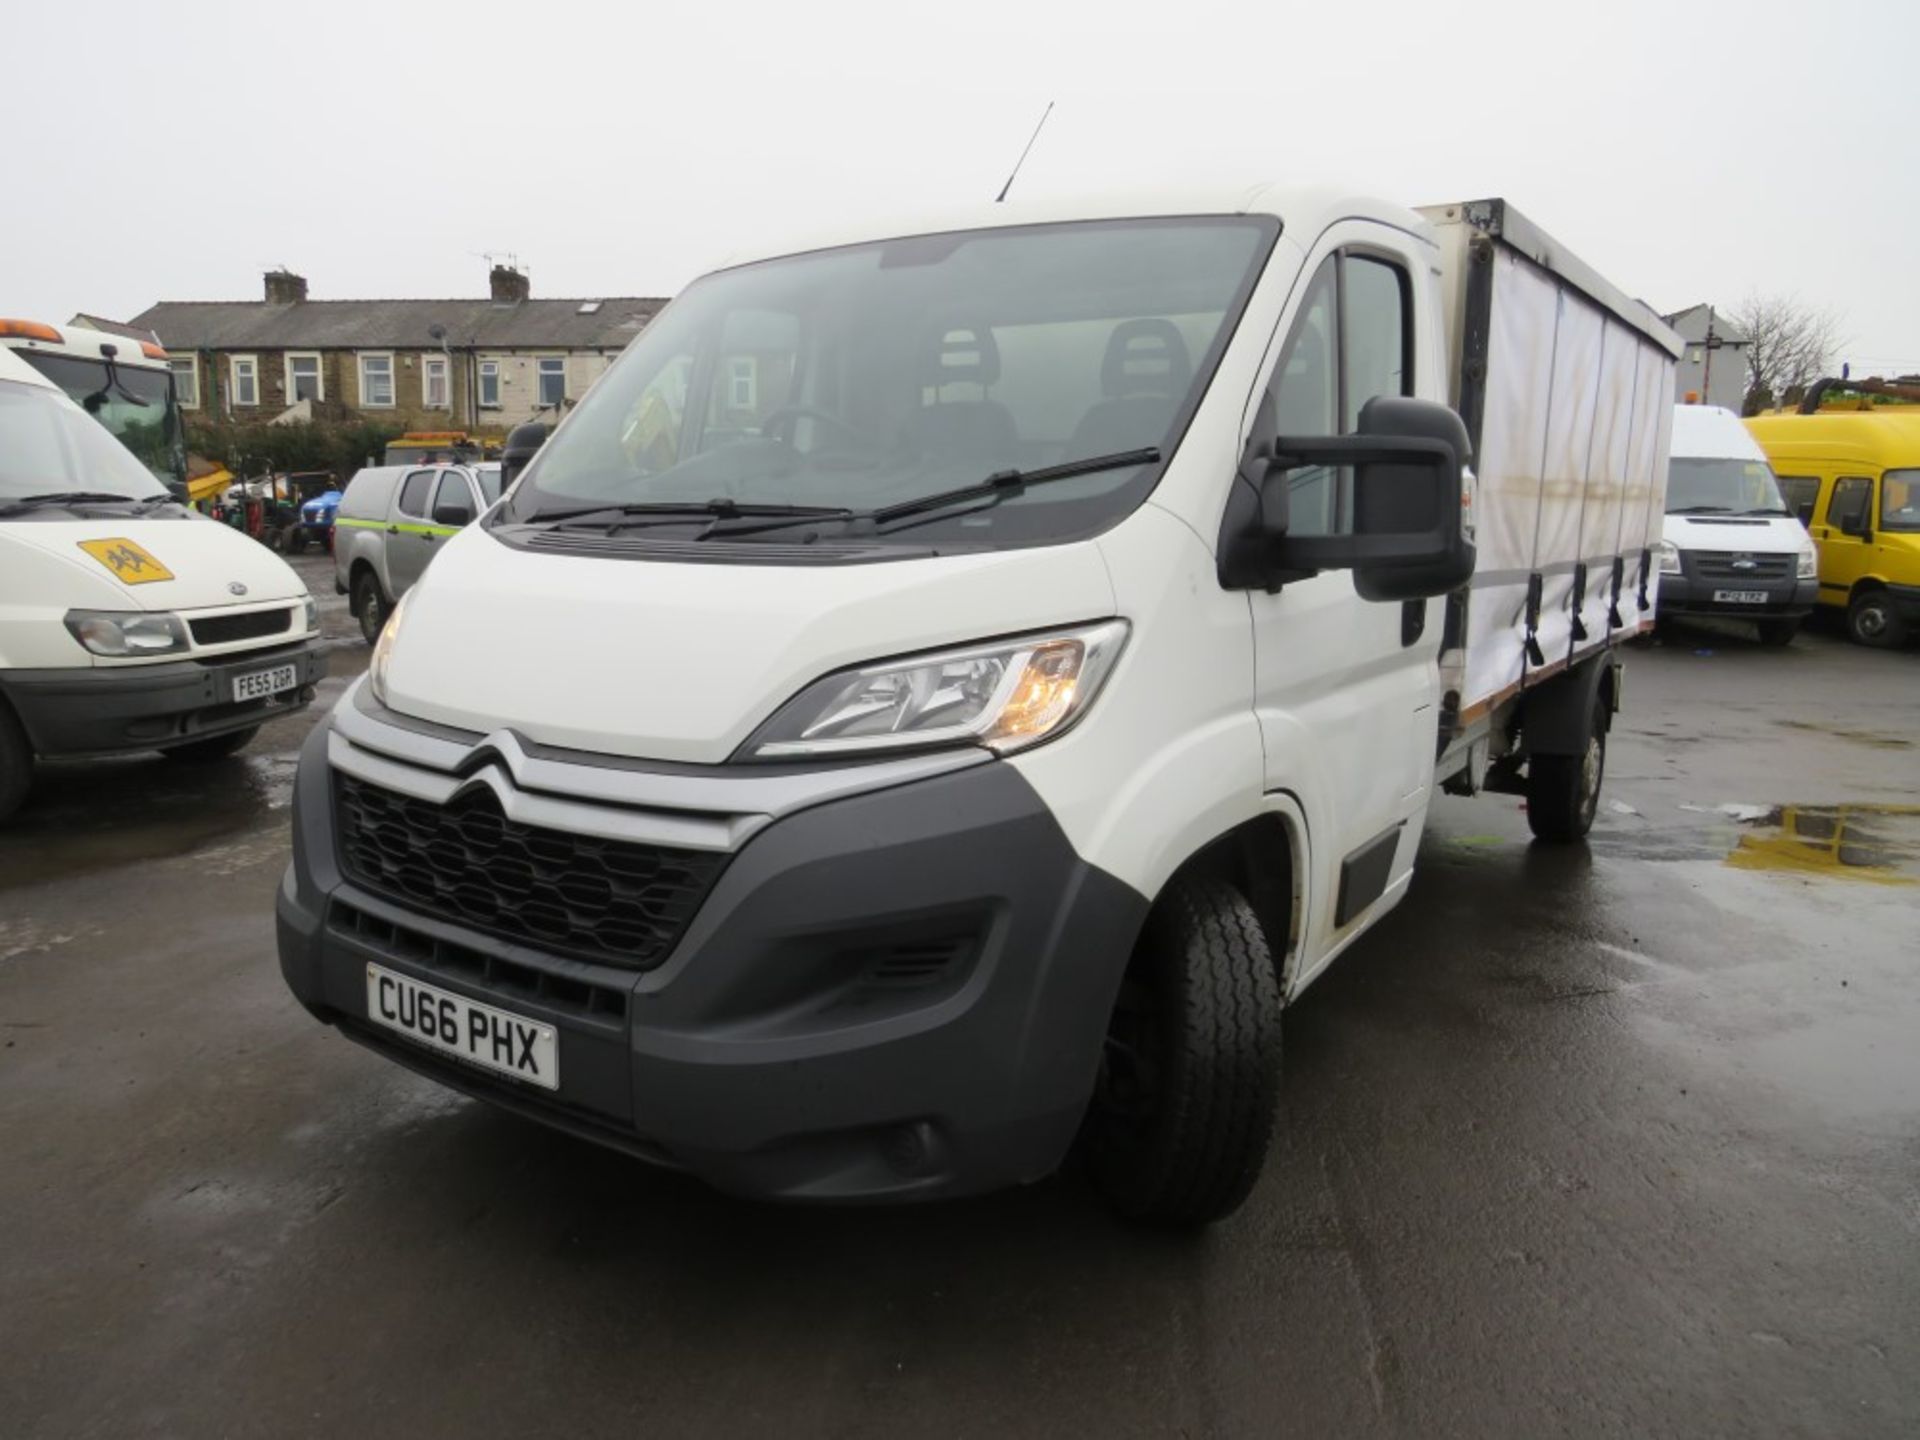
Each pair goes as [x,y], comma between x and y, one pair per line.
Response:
[895,994]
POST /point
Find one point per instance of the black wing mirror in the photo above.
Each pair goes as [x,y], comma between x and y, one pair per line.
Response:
[1404,539]
[453,513]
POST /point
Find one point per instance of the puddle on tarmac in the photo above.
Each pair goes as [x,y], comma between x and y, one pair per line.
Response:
[1880,843]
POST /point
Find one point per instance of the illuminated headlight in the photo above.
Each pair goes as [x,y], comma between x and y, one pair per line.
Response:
[1808,567]
[120,634]
[1006,696]
[310,613]
[1669,558]
[383,650]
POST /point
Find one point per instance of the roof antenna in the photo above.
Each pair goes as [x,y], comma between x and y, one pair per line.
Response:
[1023,154]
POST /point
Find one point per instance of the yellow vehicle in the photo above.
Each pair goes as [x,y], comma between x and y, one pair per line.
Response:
[1854,480]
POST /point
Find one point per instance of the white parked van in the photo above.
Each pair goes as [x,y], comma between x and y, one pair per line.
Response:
[127,622]
[945,690]
[1730,546]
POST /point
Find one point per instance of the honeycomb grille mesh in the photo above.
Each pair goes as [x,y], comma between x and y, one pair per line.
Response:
[612,901]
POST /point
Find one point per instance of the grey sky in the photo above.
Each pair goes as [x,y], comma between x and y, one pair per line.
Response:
[1690,152]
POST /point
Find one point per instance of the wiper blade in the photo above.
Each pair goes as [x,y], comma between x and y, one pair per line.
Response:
[1006,483]
[1701,510]
[64,497]
[1767,510]
[671,510]
[750,521]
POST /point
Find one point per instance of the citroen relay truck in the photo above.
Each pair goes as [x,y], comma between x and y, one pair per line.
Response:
[127,621]
[1730,546]
[1855,476]
[946,689]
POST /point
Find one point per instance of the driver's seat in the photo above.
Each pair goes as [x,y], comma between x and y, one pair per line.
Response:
[979,431]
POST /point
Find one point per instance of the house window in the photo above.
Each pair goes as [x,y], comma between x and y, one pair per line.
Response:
[186,382]
[244,371]
[376,382]
[433,382]
[303,379]
[553,380]
[489,384]
[742,382]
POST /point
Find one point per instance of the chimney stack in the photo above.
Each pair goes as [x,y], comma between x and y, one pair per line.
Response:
[509,286]
[285,288]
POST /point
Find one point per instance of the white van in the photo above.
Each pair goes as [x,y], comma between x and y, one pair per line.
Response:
[944,690]
[1730,546]
[128,622]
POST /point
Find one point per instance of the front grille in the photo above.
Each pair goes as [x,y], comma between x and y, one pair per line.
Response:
[225,629]
[608,900]
[1721,565]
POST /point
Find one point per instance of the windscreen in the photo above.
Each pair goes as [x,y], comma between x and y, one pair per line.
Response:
[134,404]
[861,378]
[48,446]
[1900,501]
[1707,485]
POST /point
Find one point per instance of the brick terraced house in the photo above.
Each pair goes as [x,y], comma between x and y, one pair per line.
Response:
[482,366]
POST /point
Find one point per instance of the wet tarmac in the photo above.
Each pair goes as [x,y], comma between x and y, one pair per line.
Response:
[1616,1140]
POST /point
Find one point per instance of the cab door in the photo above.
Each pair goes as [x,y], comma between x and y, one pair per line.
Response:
[409,541]
[1346,688]
[1845,537]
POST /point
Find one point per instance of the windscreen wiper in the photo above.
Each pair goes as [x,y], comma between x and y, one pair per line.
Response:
[64,497]
[1006,483]
[1700,510]
[1767,510]
[667,512]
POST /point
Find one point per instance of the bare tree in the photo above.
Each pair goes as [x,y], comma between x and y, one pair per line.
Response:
[1790,344]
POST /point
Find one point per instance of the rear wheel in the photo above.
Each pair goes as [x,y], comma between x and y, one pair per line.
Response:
[1778,632]
[1183,1111]
[369,605]
[216,747]
[1872,620]
[1563,791]
[16,763]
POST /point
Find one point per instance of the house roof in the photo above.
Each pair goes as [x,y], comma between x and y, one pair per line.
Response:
[398,324]
[111,327]
[1692,325]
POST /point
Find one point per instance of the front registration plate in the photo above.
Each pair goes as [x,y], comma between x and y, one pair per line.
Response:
[1741,597]
[493,1039]
[258,684]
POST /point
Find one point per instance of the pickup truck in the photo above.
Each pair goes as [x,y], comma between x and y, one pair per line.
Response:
[949,687]
[388,524]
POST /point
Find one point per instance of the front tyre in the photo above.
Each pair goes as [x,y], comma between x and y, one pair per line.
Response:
[16,763]
[369,605]
[1872,620]
[1563,791]
[1184,1106]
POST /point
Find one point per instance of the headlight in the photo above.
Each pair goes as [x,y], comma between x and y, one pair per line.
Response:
[1809,566]
[383,651]
[1669,558]
[140,632]
[312,613]
[1006,696]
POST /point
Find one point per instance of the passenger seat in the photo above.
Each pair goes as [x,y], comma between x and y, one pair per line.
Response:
[980,431]
[1144,375]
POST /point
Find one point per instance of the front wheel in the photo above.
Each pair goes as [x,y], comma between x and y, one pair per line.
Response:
[1872,620]
[1184,1107]
[369,605]
[1563,791]
[216,747]
[16,763]
[1778,632]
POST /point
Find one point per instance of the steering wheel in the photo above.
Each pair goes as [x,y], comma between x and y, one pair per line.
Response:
[779,424]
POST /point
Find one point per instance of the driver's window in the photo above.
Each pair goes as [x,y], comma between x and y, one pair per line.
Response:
[753,375]
[652,434]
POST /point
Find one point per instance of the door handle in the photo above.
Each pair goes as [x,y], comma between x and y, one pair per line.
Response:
[393,529]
